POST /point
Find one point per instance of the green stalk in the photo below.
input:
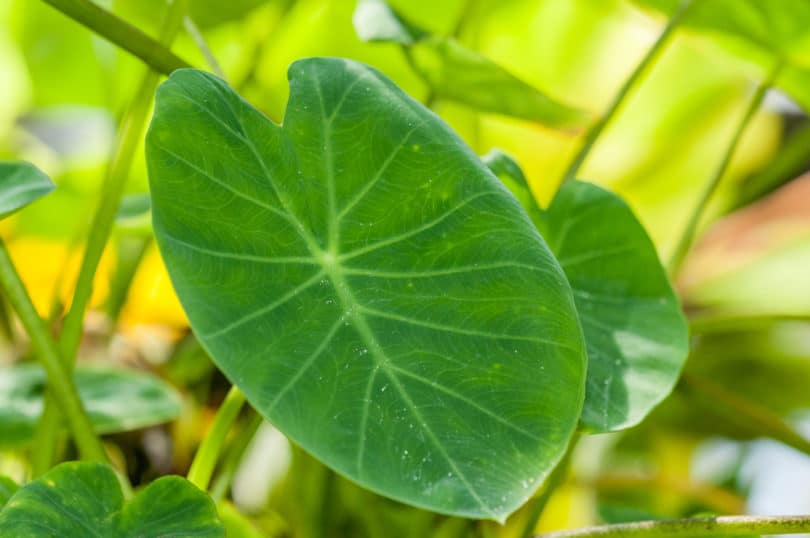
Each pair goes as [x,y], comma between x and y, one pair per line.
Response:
[199,39]
[236,452]
[744,413]
[60,381]
[120,33]
[100,230]
[688,235]
[599,125]
[691,527]
[207,455]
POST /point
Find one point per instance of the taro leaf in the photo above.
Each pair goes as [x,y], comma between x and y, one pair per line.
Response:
[375,20]
[457,73]
[369,285]
[117,400]
[635,332]
[80,499]
[7,489]
[20,184]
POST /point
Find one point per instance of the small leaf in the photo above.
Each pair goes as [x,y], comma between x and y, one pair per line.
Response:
[636,334]
[457,73]
[7,489]
[117,400]
[369,285]
[374,20]
[460,74]
[20,184]
[80,499]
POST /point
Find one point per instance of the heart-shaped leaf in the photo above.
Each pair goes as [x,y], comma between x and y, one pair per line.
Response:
[117,400]
[371,287]
[20,184]
[7,489]
[636,334]
[81,499]
[457,73]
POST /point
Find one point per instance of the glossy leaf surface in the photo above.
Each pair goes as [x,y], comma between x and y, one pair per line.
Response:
[371,287]
[117,400]
[636,334]
[81,499]
[20,184]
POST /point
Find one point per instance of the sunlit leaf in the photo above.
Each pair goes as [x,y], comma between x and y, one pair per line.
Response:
[369,285]
[7,489]
[636,334]
[374,20]
[455,72]
[768,31]
[117,400]
[20,184]
[80,499]
[509,172]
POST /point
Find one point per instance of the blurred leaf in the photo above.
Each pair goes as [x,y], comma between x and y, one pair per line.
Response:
[779,30]
[636,334]
[388,283]
[455,72]
[741,265]
[20,184]
[237,525]
[80,499]
[117,400]
[135,215]
[374,20]
[7,489]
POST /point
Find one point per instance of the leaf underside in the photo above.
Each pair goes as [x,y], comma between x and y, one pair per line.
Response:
[371,287]
[20,184]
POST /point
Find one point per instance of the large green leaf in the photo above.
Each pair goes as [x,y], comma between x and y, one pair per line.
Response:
[117,400]
[636,334]
[455,72]
[84,499]
[369,285]
[7,489]
[20,184]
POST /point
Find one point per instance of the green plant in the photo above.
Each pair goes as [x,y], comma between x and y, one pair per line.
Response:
[400,308]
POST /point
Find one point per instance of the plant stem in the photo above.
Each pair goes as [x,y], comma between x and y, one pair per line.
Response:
[199,39]
[599,125]
[60,381]
[691,527]
[120,33]
[222,483]
[101,228]
[554,480]
[206,457]
[688,235]
[745,413]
